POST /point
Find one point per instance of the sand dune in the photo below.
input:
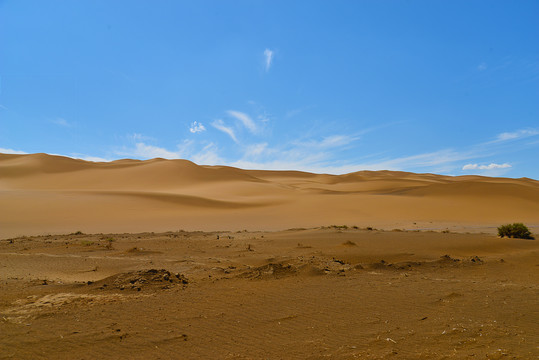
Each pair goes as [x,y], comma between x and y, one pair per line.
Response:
[41,193]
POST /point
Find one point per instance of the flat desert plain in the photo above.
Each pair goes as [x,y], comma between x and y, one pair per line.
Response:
[165,259]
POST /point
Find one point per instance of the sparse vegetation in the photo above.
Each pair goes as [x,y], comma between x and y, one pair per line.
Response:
[108,246]
[515,230]
[338,227]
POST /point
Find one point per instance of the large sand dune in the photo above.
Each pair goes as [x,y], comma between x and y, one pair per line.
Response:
[41,194]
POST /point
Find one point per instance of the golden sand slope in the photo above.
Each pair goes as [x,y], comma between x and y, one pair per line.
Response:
[41,193]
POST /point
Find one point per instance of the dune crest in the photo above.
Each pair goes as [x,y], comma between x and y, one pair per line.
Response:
[42,193]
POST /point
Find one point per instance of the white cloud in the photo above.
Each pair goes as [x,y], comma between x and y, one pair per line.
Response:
[139,137]
[73,156]
[196,127]
[89,158]
[491,166]
[517,134]
[145,151]
[336,140]
[482,67]
[11,151]
[220,125]
[256,149]
[208,156]
[268,55]
[322,160]
[331,141]
[438,161]
[245,119]
[150,151]
[61,122]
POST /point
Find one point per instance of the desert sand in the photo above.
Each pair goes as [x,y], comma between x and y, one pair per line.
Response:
[166,259]
[44,194]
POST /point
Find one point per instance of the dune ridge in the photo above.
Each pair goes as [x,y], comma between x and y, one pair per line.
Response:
[42,193]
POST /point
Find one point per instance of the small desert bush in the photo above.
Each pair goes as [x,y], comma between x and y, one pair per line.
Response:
[516,230]
[339,227]
[108,245]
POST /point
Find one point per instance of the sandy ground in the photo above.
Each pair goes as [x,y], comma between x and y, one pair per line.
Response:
[300,294]
[416,273]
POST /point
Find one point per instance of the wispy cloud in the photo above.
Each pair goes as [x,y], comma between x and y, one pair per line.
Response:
[491,166]
[150,151]
[220,125]
[312,156]
[89,158]
[482,67]
[146,151]
[324,161]
[245,120]
[255,149]
[139,137]
[11,151]
[268,58]
[332,141]
[207,156]
[62,122]
[196,127]
[336,141]
[435,161]
[322,155]
[517,134]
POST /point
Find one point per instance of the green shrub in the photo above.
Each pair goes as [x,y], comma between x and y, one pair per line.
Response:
[516,230]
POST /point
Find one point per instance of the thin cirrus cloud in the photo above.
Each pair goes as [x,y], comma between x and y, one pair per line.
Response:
[255,149]
[89,158]
[146,151]
[207,156]
[220,125]
[11,151]
[245,120]
[196,127]
[517,134]
[268,59]
[331,141]
[61,122]
[187,149]
[491,166]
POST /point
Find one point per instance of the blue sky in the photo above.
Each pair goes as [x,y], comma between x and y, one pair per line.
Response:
[448,87]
